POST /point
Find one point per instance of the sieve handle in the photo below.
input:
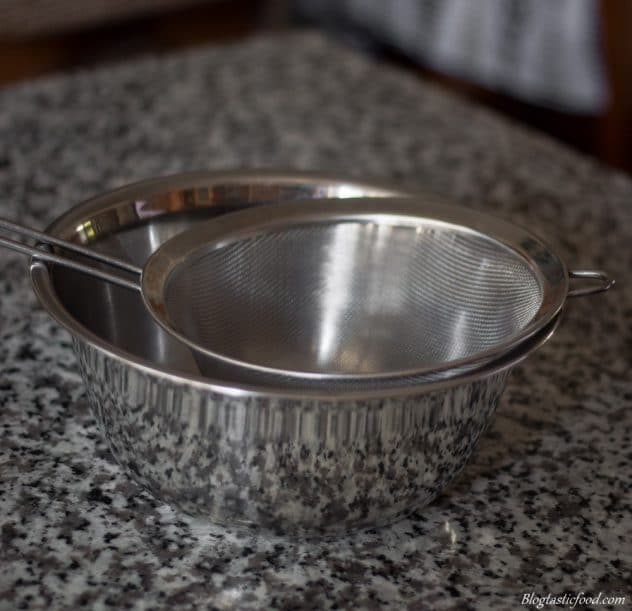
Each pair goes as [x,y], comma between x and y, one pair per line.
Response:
[22,247]
[605,282]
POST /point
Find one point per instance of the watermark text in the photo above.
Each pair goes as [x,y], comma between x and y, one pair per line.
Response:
[580,599]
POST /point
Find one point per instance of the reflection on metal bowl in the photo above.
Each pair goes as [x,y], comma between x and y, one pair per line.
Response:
[246,455]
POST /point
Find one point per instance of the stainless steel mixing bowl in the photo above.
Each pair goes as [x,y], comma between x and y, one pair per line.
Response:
[254,456]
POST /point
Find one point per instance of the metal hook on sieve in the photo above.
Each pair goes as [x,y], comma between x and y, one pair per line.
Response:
[605,282]
[92,270]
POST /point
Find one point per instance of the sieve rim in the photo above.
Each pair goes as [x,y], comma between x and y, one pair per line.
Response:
[548,268]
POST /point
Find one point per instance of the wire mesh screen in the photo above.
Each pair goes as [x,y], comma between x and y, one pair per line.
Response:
[353,298]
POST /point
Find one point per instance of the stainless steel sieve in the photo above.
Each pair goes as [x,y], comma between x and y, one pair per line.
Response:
[359,293]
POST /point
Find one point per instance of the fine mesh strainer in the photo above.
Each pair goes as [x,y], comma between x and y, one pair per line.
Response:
[354,291]
[359,290]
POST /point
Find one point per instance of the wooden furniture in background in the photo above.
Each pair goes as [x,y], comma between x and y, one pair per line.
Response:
[615,127]
[114,38]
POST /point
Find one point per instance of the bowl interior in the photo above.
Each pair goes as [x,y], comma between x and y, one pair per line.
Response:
[135,221]
[117,315]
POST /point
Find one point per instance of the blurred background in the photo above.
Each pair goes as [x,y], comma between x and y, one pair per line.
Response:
[561,66]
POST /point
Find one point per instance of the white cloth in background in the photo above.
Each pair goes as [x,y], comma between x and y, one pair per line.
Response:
[542,51]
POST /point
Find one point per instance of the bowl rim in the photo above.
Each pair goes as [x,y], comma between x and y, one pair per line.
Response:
[44,289]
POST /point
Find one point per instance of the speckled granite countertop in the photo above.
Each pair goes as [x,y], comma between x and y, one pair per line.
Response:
[545,504]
